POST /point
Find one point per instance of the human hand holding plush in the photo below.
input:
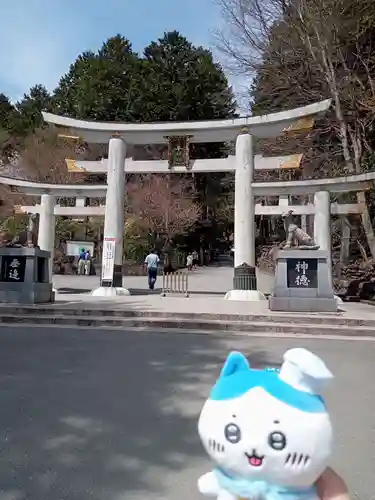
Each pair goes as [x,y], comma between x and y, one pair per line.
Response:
[330,486]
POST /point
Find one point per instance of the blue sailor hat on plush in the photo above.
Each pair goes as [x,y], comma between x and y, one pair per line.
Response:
[297,384]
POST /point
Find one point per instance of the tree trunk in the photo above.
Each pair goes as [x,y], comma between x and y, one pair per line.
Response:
[345,241]
[355,168]
[361,196]
[367,224]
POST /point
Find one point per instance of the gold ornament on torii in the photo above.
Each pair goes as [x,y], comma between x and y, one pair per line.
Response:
[293,162]
[66,133]
[72,166]
[301,125]
[19,210]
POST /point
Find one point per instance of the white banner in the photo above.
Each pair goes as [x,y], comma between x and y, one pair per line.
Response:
[109,247]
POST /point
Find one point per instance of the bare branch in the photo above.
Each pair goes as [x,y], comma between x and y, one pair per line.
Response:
[163,206]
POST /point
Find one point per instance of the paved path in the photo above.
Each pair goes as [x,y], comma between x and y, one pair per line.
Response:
[209,281]
[93,415]
[208,287]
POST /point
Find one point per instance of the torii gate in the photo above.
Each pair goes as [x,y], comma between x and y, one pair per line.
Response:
[242,130]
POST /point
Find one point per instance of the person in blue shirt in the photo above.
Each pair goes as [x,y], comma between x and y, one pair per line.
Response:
[152,262]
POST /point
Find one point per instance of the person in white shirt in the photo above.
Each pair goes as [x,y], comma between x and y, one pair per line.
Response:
[189,261]
[152,261]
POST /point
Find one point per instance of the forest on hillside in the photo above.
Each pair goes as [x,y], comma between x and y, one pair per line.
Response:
[302,51]
[172,80]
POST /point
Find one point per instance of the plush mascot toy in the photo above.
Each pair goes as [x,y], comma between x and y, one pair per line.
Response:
[268,431]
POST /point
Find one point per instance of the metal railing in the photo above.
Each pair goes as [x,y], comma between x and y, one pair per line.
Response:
[175,283]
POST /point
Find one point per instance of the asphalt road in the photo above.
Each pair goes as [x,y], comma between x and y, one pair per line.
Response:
[111,415]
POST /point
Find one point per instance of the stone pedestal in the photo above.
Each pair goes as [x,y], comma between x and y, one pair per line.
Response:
[24,276]
[303,282]
[244,278]
[245,285]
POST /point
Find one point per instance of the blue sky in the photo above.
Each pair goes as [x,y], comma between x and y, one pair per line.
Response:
[41,38]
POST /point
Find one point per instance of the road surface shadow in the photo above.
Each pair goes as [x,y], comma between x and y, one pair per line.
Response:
[224,263]
[72,290]
[138,292]
[144,291]
[88,415]
[133,291]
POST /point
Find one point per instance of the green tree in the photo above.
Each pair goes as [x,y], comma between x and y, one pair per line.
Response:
[184,82]
[6,112]
[105,86]
[28,111]
[172,81]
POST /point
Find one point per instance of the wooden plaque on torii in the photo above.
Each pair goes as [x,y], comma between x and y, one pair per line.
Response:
[178,151]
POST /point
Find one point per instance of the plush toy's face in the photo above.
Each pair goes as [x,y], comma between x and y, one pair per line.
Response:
[259,437]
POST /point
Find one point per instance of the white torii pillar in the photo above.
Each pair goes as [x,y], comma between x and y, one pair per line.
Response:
[244,218]
[111,278]
[322,224]
[46,231]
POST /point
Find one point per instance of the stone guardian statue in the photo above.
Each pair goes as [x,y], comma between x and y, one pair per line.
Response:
[296,237]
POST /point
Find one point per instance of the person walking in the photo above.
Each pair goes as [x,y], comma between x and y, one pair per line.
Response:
[195,257]
[87,262]
[152,262]
[189,262]
[81,261]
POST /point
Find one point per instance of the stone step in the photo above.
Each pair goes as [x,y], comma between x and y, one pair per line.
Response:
[83,311]
[173,322]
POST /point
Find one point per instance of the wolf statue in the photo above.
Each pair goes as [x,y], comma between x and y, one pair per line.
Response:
[268,431]
[296,238]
